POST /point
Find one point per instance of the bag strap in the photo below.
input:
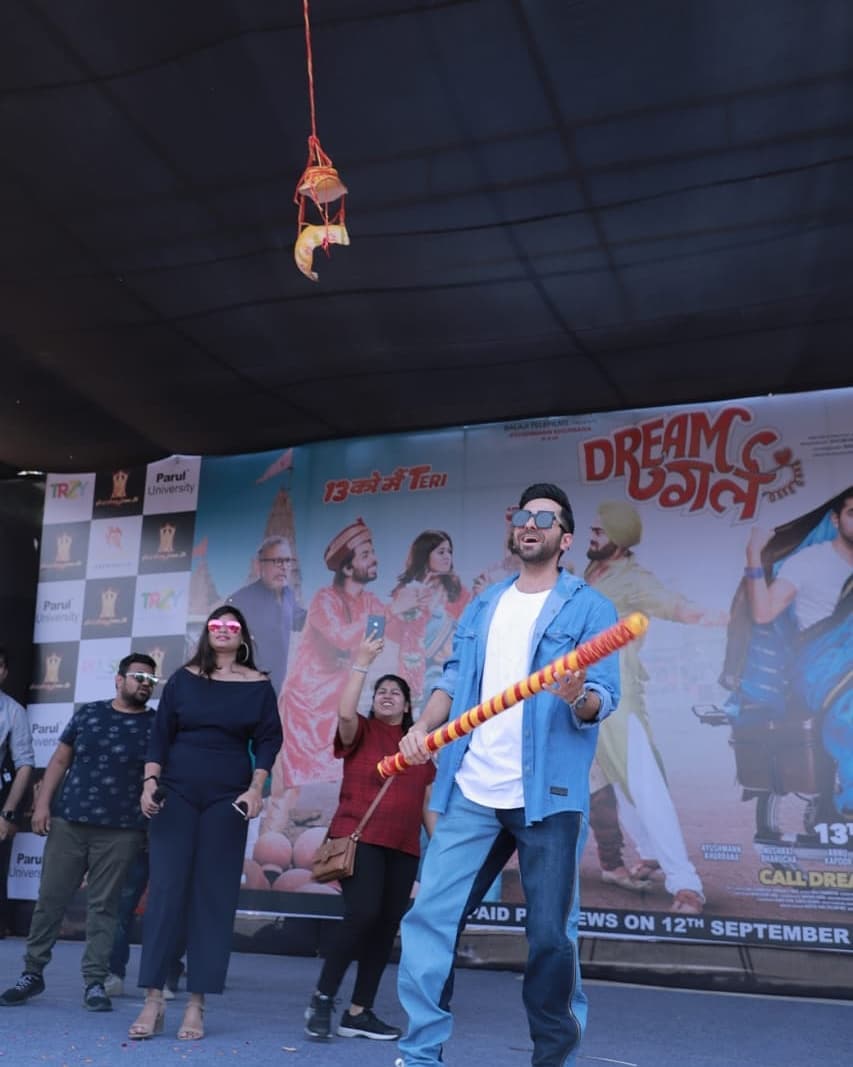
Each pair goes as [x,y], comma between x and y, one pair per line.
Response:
[356,834]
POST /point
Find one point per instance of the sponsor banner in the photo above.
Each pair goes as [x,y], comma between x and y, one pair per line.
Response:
[108,607]
[22,882]
[114,547]
[98,664]
[161,604]
[167,542]
[64,552]
[119,492]
[54,672]
[68,497]
[47,721]
[172,485]
[59,611]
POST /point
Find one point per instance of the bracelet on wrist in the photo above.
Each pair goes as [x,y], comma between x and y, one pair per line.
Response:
[151,778]
[361,670]
[753,572]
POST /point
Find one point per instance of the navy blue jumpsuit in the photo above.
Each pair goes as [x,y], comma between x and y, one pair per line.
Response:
[200,739]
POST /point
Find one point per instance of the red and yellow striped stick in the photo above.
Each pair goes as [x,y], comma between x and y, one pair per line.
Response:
[609,640]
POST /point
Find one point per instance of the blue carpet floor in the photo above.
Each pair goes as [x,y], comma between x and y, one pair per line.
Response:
[259,1021]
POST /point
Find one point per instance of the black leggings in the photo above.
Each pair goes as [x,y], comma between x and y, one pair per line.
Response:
[375,897]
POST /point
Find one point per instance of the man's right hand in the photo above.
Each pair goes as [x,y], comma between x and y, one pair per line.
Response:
[40,821]
[413,745]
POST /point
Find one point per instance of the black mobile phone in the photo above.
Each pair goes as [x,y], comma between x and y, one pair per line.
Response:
[159,795]
[242,807]
[375,626]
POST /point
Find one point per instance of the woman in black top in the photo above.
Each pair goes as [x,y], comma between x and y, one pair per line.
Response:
[198,768]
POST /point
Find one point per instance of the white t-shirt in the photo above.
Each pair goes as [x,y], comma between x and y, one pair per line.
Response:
[819,574]
[490,773]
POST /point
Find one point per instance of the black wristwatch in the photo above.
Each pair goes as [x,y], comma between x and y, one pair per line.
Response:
[10,816]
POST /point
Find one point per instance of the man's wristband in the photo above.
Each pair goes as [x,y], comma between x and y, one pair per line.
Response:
[10,816]
[151,778]
[361,670]
[753,572]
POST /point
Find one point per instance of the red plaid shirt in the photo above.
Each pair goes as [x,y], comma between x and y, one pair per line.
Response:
[397,820]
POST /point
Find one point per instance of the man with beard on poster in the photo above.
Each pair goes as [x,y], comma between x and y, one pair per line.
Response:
[627,756]
[520,779]
[334,628]
[270,608]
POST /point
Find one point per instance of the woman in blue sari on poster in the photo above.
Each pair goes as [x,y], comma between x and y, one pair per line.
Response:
[787,657]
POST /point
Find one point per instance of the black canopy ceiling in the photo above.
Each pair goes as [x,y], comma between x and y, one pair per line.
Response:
[555,206]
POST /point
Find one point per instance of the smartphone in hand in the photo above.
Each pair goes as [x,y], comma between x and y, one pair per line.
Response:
[241,807]
[375,626]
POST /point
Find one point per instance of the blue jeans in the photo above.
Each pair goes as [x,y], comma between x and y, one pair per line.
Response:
[548,857]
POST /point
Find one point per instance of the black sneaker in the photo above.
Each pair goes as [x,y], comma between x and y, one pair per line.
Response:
[366,1024]
[318,1016]
[95,998]
[28,985]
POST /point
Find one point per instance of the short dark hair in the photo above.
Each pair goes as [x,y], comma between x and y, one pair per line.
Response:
[136,657]
[549,491]
[836,505]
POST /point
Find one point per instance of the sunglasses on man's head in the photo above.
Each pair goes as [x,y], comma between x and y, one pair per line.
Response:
[217,626]
[143,676]
[543,520]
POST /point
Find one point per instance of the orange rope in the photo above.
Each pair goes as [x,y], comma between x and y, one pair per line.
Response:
[310,63]
[609,640]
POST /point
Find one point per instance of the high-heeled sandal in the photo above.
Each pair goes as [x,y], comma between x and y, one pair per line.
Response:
[188,1032]
[146,1026]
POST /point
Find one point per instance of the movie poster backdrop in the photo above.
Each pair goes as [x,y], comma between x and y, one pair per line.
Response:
[725,773]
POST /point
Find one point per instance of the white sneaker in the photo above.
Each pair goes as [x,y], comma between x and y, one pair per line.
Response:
[168,994]
[114,986]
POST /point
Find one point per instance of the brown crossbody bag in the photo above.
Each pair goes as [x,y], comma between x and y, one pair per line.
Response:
[335,858]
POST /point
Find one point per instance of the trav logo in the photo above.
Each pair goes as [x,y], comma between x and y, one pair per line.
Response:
[161,599]
[689,460]
[71,490]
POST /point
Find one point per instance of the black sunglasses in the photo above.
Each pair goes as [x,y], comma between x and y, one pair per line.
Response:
[543,520]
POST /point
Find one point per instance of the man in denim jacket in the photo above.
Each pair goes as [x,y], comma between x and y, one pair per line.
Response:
[521,776]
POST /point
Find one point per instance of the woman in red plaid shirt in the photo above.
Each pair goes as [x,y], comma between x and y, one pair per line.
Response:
[378,892]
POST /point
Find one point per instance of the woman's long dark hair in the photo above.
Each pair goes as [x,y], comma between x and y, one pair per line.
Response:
[205,658]
[407,721]
[417,563]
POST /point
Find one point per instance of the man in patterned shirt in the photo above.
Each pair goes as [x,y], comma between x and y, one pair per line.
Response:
[95,827]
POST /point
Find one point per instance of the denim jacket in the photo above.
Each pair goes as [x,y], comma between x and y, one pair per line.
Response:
[557,747]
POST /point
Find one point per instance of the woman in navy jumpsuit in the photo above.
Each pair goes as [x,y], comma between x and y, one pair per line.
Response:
[199,764]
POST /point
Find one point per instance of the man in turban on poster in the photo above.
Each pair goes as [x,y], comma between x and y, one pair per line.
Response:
[627,758]
[335,625]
